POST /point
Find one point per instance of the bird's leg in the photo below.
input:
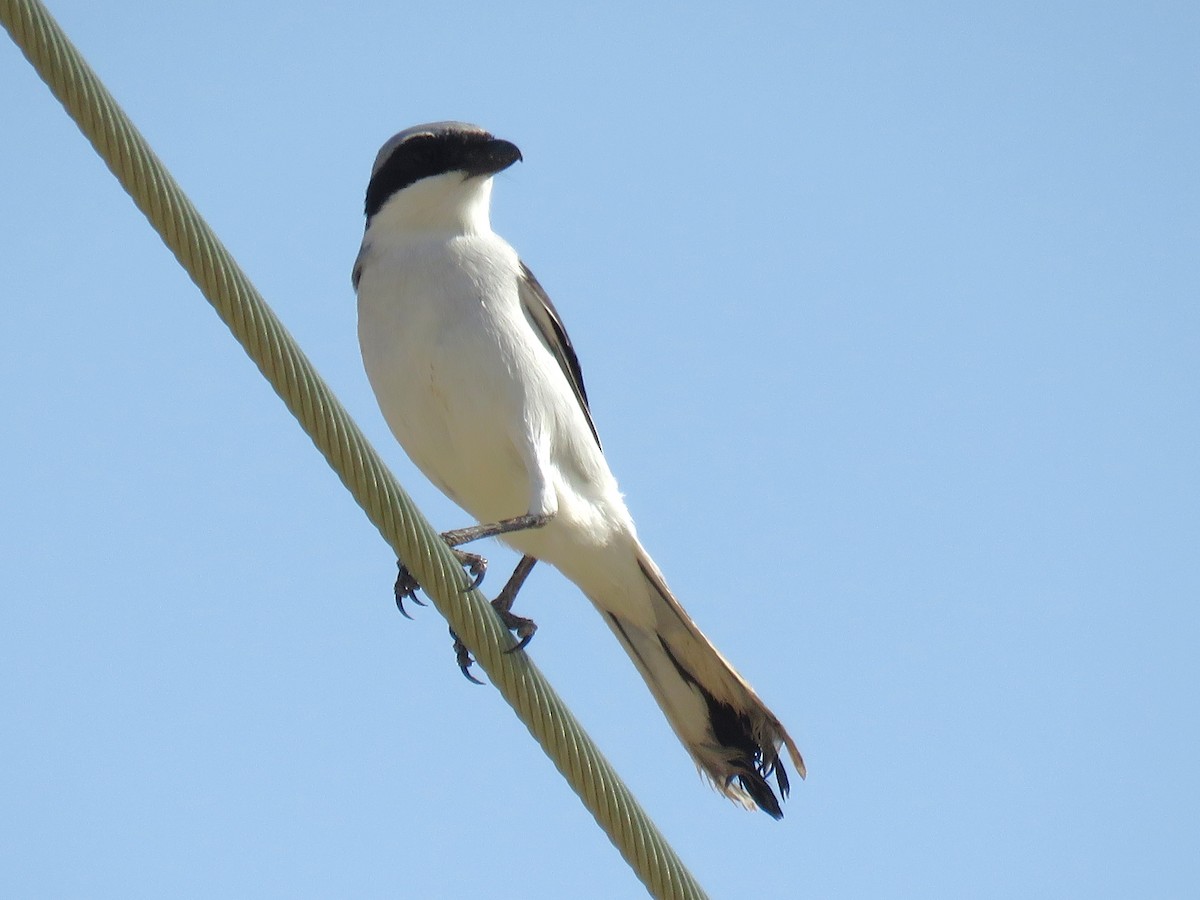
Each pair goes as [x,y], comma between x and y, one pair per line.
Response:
[522,627]
[406,584]
[504,526]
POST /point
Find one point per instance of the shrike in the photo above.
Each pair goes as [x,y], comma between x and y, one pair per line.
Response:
[479,383]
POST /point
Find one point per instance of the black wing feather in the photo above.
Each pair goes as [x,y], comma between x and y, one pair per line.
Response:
[545,320]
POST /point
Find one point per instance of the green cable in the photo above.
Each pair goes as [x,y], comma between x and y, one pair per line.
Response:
[376,490]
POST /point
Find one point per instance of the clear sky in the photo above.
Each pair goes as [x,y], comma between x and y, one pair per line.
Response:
[890,319]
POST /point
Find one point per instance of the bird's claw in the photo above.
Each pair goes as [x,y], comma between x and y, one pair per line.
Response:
[463,657]
[475,565]
[406,589]
[406,585]
[523,628]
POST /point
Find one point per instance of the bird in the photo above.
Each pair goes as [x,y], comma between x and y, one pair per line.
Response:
[480,384]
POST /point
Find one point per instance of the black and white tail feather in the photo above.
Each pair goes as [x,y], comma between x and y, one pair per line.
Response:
[734,739]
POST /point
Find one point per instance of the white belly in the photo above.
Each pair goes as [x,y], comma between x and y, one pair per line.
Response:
[442,383]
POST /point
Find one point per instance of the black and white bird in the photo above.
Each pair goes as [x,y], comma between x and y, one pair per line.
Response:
[478,381]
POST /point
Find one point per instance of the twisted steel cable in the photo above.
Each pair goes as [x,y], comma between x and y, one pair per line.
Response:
[326,422]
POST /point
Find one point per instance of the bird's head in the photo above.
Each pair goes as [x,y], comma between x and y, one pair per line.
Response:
[436,177]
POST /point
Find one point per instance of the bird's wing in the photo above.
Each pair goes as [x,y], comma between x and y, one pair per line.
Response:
[549,326]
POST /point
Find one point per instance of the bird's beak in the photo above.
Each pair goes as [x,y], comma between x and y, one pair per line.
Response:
[495,156]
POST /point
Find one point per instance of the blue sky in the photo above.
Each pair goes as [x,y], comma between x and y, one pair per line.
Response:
[890,320]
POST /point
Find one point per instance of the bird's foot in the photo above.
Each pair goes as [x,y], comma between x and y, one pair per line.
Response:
[406,589]
[407,586]
[463,657]
[521,627]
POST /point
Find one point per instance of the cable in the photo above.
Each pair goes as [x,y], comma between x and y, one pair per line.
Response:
[323,418]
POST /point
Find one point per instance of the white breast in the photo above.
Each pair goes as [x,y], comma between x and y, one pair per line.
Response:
[429,317]
[475,397]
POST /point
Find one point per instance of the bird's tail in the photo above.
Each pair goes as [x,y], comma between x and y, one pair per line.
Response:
[729,732]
